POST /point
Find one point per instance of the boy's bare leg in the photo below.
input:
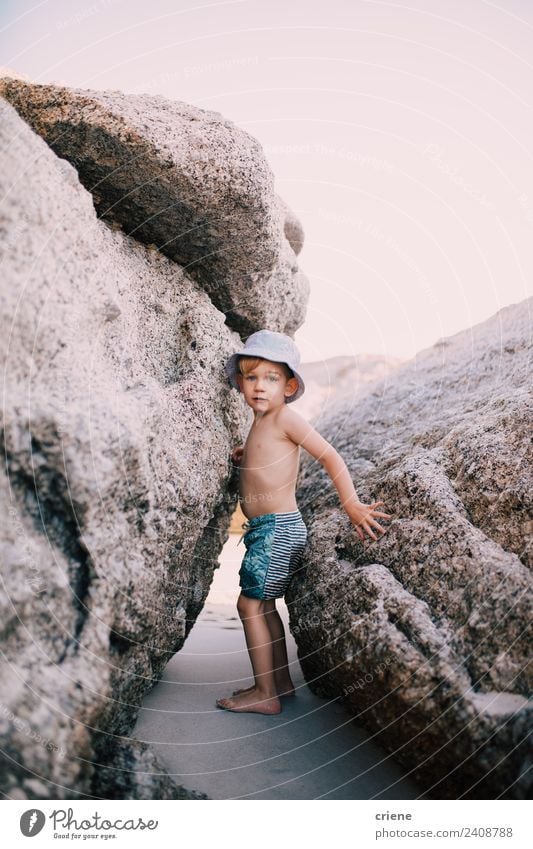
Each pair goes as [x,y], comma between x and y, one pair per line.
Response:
[262,697]
[282,678]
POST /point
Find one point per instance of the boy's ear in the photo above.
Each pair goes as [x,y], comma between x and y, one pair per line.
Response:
[291,386]
[239,379]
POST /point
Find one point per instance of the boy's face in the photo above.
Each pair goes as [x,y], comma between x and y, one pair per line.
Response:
[266,386]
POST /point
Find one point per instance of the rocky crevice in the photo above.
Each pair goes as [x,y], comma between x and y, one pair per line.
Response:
[118,421]
[432,621]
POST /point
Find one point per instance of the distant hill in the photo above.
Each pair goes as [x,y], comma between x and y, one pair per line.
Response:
[331,378]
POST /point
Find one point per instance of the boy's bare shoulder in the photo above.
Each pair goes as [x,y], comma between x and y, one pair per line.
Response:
[292,423]
[301,432]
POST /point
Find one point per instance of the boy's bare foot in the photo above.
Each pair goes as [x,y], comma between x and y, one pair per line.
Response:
[251,702]
[286,690]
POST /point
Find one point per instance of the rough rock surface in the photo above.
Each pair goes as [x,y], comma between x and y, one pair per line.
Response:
[186,180]
[425,633]
[116,490]
[131,771]
[134,772]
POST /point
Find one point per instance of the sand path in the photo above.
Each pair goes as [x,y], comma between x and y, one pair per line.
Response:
[313,749]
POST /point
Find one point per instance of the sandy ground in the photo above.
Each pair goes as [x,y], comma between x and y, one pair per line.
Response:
[313,749]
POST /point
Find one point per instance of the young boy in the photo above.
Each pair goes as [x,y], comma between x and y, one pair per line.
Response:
[265,371]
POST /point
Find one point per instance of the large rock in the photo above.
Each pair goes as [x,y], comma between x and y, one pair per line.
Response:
[425,632]
[187,180]
[135,772]
[116,429]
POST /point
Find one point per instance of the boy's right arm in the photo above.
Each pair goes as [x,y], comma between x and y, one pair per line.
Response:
[236,454]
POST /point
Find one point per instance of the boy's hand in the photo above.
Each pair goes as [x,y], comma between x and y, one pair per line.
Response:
[362,516]
[236,455]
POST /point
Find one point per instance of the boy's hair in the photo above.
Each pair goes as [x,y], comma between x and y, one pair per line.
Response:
[247,364]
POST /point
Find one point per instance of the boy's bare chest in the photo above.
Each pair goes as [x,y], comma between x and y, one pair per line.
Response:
[266,442]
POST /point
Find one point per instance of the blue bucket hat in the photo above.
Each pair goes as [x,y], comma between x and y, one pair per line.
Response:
[273,346]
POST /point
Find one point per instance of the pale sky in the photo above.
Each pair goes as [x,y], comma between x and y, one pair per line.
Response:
[399,133]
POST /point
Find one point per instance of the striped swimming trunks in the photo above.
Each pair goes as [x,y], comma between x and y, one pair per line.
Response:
[274,547]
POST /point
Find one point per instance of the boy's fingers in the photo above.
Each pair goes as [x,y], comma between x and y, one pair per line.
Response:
[370,532]
[383,515]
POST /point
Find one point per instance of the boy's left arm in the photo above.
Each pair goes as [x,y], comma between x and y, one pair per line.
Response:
[361,515]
